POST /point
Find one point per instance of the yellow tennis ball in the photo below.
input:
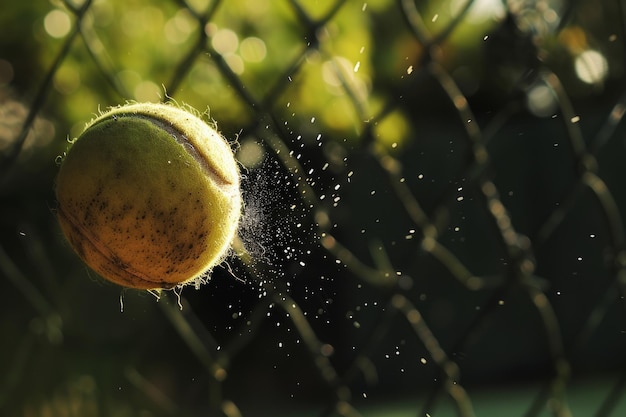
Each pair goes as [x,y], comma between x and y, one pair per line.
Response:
[148,196]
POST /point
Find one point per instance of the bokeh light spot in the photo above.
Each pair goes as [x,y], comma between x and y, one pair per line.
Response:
[235,63]
[480,11]
[225,41]
[250,153]
[591,67]
[253,49]
[57,23]
[541,101]
[178,28]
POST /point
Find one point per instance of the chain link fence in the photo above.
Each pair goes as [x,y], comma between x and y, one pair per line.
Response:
[434,203]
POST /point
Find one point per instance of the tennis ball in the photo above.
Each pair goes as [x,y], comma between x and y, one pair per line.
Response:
[148,196]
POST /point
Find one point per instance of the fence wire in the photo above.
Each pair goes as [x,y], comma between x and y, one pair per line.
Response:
[522,255]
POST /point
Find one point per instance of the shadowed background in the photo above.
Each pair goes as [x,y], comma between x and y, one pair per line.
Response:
[434,209]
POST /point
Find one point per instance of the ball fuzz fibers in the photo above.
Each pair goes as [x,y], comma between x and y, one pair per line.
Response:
[148,196]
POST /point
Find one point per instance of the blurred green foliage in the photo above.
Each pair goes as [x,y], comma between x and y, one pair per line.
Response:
[132,50]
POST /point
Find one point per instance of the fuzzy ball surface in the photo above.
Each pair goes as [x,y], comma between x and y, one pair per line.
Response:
[148,196]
